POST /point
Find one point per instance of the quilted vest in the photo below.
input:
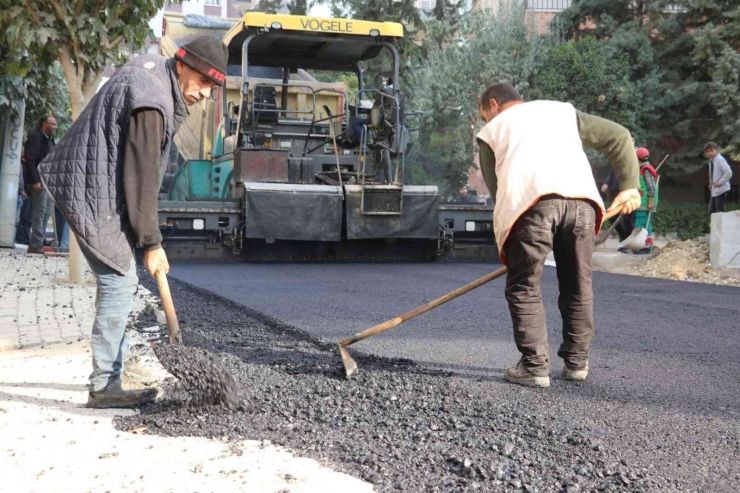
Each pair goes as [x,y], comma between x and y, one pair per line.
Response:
[84,172]
[538,152]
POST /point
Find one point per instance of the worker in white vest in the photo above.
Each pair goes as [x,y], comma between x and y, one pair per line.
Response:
[532,159]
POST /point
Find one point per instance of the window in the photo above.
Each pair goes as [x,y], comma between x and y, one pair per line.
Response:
[213,2]
[548,5]
[425,4]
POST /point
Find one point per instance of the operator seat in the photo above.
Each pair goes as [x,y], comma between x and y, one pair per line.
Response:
[264,104]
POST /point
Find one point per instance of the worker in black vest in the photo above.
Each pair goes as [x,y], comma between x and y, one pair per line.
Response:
[105,175]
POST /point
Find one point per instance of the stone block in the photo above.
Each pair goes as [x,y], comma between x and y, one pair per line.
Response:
[724,246]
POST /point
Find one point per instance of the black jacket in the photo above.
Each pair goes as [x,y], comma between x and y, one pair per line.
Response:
[37,146]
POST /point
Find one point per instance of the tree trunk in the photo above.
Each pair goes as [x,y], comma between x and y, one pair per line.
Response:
[74,77]
[78,100]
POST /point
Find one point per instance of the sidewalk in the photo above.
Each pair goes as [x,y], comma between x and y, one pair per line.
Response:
[51,442]
[37,305]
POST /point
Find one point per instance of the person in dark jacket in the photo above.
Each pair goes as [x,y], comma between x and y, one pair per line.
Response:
[40,142]
[627,221]
[105,176]
[21,197]
[463,197]
[23,221]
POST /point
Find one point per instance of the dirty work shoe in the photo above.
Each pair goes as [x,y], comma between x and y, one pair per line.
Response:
[113,396]
[134,369]
[521,376]
[38,250]
[575,375]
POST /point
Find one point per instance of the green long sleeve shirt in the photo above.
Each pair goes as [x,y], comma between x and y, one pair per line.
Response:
[597,133]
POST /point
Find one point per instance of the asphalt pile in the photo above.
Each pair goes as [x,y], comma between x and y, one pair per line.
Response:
[683,261]
[400,426]
[200,373]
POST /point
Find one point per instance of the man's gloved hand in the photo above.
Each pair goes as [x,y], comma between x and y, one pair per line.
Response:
[154,260]
[626,202]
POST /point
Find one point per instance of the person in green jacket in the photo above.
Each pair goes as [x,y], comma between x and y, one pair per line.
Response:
[649,198]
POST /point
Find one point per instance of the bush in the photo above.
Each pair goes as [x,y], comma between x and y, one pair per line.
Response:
[687,220]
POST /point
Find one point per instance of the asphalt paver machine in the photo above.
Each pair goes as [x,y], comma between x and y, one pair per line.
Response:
[298,171]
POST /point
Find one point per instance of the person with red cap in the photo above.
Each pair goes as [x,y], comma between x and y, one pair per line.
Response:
[104,176]
[649,195]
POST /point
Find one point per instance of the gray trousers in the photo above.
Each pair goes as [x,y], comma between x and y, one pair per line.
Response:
[41,208]
[565,227]
[114,301]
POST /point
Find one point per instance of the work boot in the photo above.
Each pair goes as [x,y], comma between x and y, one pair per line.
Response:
[113,396]
[38,250]
[135,370]
[521,376]
[575,375]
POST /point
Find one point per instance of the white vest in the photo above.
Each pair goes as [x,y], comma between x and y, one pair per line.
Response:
[538,152]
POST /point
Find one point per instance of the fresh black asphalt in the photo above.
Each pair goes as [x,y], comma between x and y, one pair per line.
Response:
[660,410]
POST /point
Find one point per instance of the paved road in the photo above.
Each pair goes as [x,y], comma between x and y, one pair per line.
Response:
[663,393]
[675,342]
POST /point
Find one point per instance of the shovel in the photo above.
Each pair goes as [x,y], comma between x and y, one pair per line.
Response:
[637,237]
[637,240]
[196,368]
[350,365]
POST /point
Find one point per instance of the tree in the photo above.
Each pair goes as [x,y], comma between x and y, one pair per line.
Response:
[594,79]
[685,53]
[83,35]
[47,93]
[298,7]
[272,6]
[447,87]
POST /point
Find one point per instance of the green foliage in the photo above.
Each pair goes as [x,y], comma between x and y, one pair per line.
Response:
[685,54]
[298,7]
[84,36]
[47,94]
[485,49]
[272,6]
[594,79]
[687,220]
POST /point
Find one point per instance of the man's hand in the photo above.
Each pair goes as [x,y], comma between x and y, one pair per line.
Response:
[36,187]
[154,260]
[626,202]
[24,196]
[651,204]
[715,184]
[604,188]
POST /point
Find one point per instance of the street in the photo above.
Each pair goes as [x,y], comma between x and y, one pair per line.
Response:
[659,410]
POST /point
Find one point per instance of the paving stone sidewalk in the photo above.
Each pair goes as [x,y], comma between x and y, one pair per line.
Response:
[38,306]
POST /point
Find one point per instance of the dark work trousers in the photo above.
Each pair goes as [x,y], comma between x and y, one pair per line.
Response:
[59,223]
[625,226]
[718,203]
[41,209]
[566,227]
[23,233]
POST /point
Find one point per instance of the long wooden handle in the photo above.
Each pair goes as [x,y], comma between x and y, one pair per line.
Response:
[423,309]
[603,236]
[169,307]
[434,304]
